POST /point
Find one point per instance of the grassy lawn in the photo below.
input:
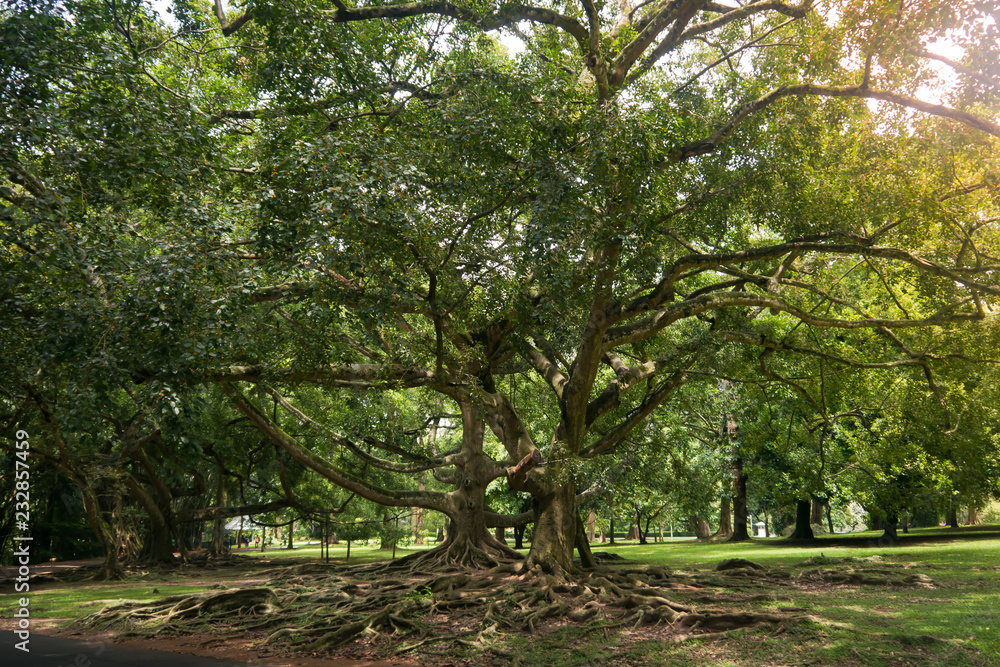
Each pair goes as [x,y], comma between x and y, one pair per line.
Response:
[953,621]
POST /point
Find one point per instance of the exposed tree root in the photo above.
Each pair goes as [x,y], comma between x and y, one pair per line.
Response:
[406,606]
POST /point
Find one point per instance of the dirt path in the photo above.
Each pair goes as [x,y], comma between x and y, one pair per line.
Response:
[50,568]
[200,651]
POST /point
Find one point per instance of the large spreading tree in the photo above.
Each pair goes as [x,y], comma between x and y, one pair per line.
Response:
[381,197]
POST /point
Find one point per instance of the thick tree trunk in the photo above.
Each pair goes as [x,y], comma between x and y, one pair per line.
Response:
[498,534]
[889,528]
[385,542]
[725,517]
[112,568]
[802,531]
[554,534]
[974,518]
[701,528]
[739,503]
[817,513]
[468,541]
[219,547]
[519,536]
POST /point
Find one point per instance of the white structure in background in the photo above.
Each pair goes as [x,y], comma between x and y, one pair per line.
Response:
[760,529]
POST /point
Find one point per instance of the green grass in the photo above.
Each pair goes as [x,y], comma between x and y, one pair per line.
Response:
[71,601]
[955,623]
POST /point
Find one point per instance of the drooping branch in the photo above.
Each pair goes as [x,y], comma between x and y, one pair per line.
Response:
[342,478]
[211,513]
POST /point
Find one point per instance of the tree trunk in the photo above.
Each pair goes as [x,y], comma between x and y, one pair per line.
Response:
[417,522]
[725,517]
[953,517]
[974,518]
[829,516]
[583,547]
[498,534]
[112,568]
[739,503]
[592,524]
[803,531]
[384,542]
[554,535]
[291,530]
[468,541]
[519,536]
[611,530]
[701,528]
[889,528]
[817,513]
[218,547]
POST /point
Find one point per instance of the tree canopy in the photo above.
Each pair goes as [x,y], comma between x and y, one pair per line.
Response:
[279,211]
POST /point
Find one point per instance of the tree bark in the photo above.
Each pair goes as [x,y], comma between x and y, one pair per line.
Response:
[554,535]
[218,547]
[889,529]
[974,518]
[583,546]
[701,528]
[739,503]
[953,517]
[829,516]
[803,531]
[817,513]
[592,524]
[112,568]
[725,517]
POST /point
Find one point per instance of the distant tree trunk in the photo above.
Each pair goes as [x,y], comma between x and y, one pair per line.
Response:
[417,518]
[889,529]
[641,530]
[739,503]
[291,531]
[701,528]
[611,531]
[817,512]
[875,523]
[953,517]
[661,531]
[803,531]
[767,524]
[440,535]
[829,516]
[725,517]
[499,535]
[384,541]
[974,518]
[519,536]
[591,525]
[583,546]
[112,568]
